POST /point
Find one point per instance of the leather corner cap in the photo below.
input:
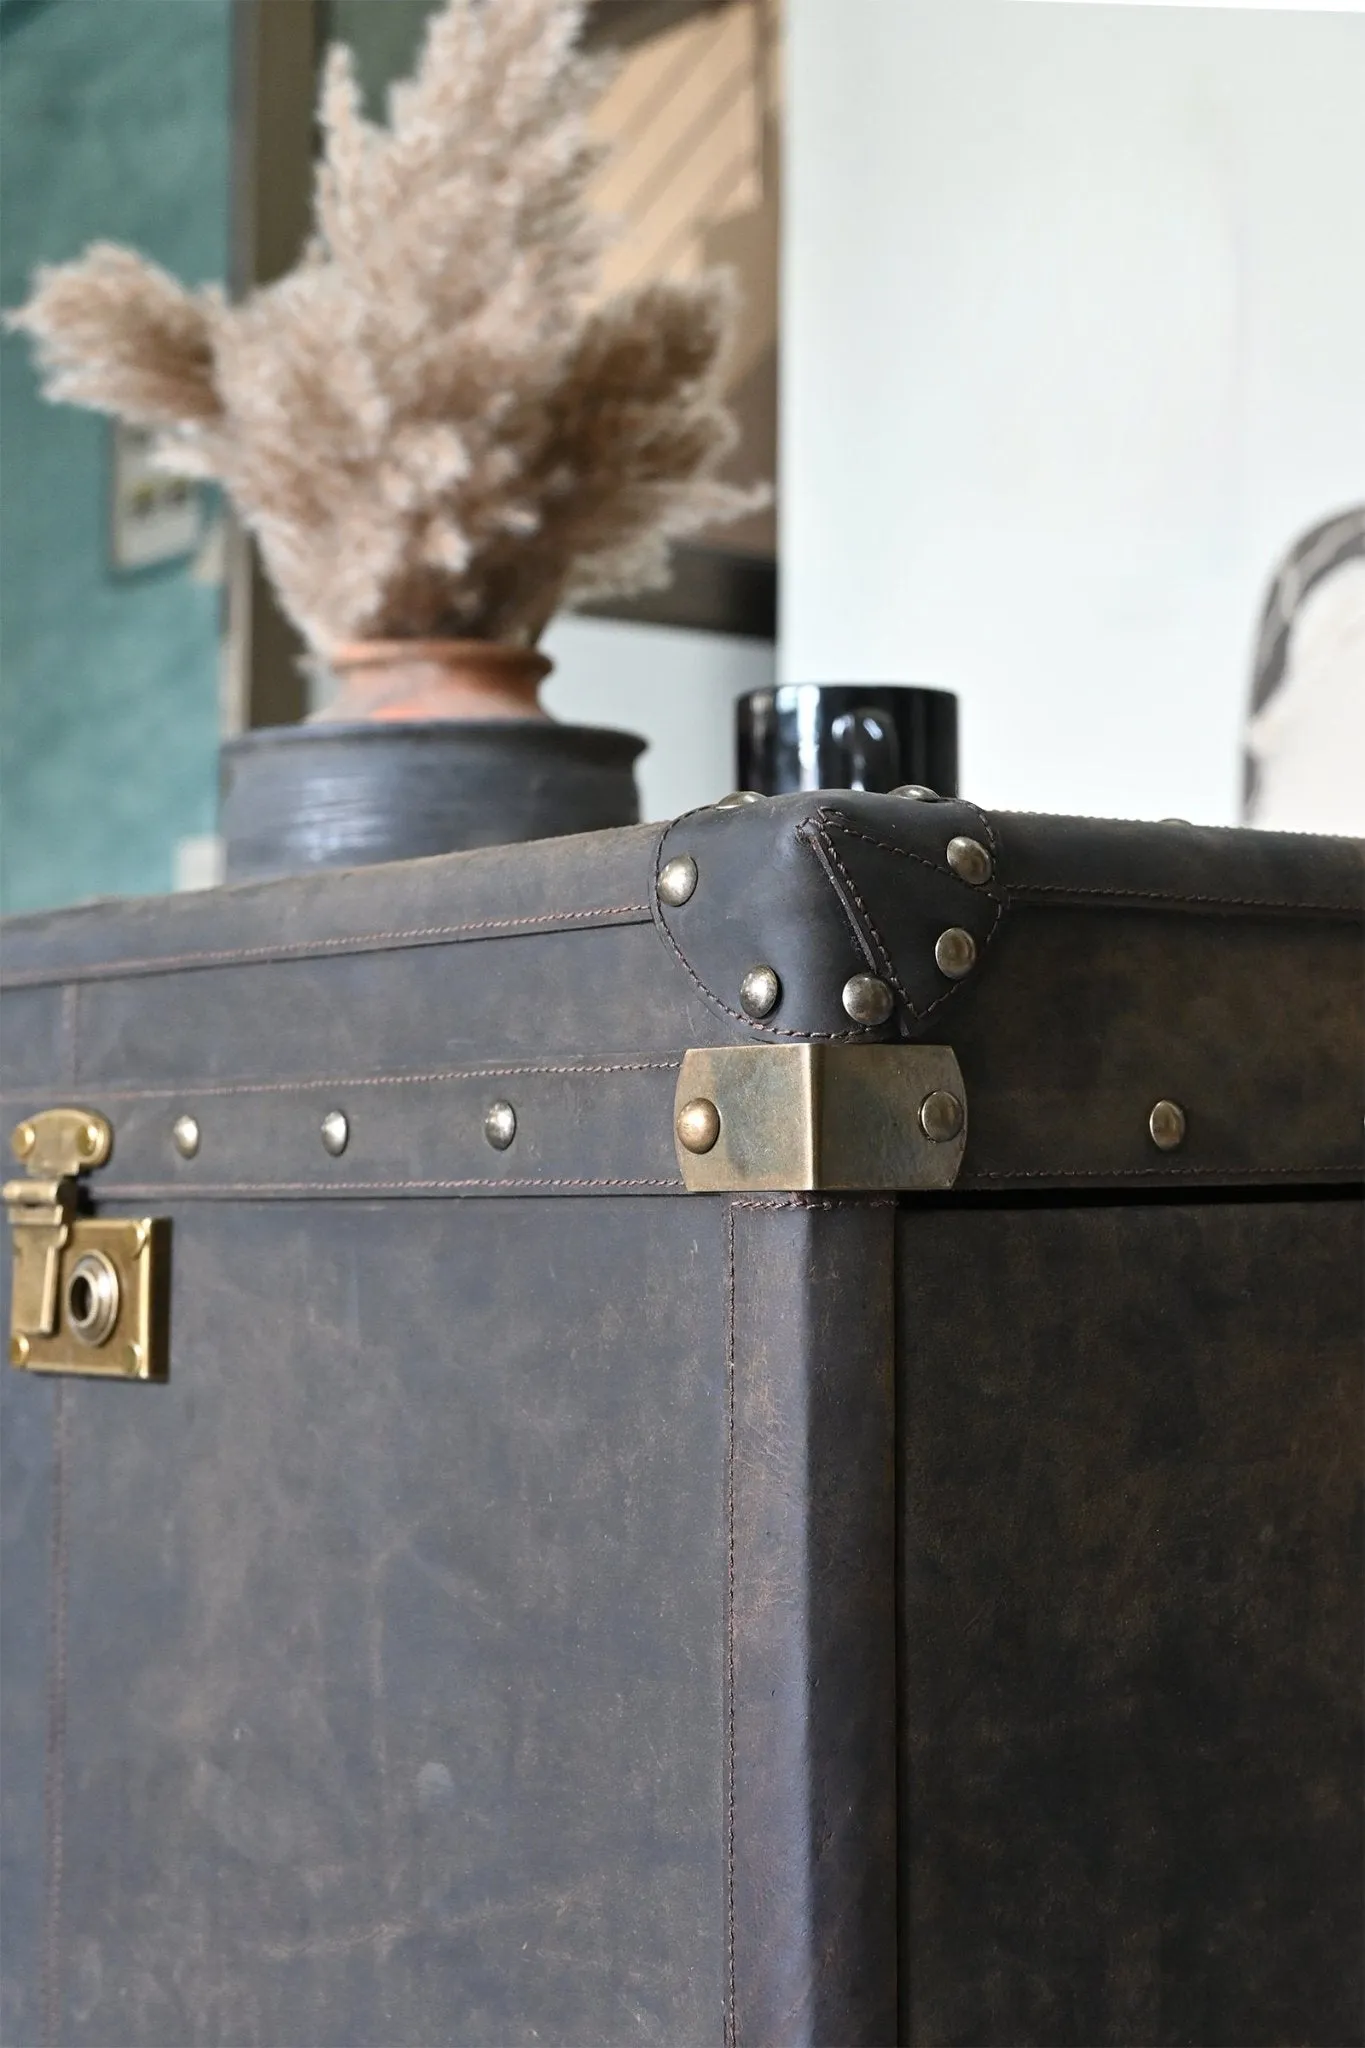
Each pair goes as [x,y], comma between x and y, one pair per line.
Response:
[820,887]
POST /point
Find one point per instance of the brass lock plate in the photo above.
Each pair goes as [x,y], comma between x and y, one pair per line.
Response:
[88,1293]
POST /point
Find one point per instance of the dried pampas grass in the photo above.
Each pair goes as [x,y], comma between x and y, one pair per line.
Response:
[427,424]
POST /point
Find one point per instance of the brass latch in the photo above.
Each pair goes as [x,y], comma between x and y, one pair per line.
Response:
[842,1118]
[89,1293]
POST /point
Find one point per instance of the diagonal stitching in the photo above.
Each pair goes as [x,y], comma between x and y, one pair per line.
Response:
[840,821]
[814,829]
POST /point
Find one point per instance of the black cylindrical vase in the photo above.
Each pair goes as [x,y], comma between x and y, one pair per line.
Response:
[875,736]
[296,797]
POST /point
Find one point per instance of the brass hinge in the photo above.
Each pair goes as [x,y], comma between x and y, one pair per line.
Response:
[88,1293]
[805,1118]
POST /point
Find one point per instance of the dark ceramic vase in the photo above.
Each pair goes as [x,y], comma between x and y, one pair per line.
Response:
[333,795]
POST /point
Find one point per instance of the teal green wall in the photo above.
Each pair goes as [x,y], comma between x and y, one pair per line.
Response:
[114,124]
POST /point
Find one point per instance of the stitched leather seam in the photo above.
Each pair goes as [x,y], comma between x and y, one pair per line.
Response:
[731,2004]
[1103,1173]
[840,820]
[1081,894]
[54,1790]
[307,949]
[875,938]
[804,1201]
[830,816]
[1155,824]
[718,1002]
[750,1023]
[233,1088]
[192,1190]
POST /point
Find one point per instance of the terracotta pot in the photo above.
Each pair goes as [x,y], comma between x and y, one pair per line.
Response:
[434,679]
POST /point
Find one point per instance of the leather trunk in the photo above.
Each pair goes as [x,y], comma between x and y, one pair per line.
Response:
[551,1598]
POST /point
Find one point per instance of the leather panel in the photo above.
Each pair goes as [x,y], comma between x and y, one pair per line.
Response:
[1088,1017]
[811,1736]
[1201,869]
[31,1531]
[544,885]
[1131,1438]
[392,1645]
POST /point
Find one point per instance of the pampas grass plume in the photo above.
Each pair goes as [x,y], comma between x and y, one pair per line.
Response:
[428,424]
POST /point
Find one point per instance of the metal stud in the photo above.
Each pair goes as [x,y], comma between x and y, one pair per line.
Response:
[919,792]
[1167,1125]
[500,1125]
[955,952]
[969,861]
[737,799]
[677,880]
[759,991]
[698,1125]
[867,1000]
[336,1133]
[940,1116]
[22,1140]
[185,1131]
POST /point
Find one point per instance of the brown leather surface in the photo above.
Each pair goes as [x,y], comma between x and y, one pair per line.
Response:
[1219,969]
[1131,1630]
[383,1670]
[493,1616]
[811,1736]
[1086,1017]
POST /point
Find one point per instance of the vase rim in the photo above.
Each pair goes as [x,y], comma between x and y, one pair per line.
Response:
[487,654]
[536,735]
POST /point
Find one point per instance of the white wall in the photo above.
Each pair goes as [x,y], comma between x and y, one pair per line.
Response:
[675,688]
[1074,347]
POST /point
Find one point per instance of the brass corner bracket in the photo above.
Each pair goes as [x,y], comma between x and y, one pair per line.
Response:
[810,1118]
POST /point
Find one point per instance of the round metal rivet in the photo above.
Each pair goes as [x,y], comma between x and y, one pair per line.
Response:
[940,1116]
[88,1140]
[1167,1125]
[919,792]
[1173,821]
[737,799]
[969,861]
[759,991]
[867,1000]
[698,1125]
[185,1131]
[18,1350]
[132,1360]
[92,1298]
[336,1133]
[677,880]
[500,1125]
[955,952]
[22,1140]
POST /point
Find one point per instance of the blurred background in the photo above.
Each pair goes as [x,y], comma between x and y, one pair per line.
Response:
[1068,305]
